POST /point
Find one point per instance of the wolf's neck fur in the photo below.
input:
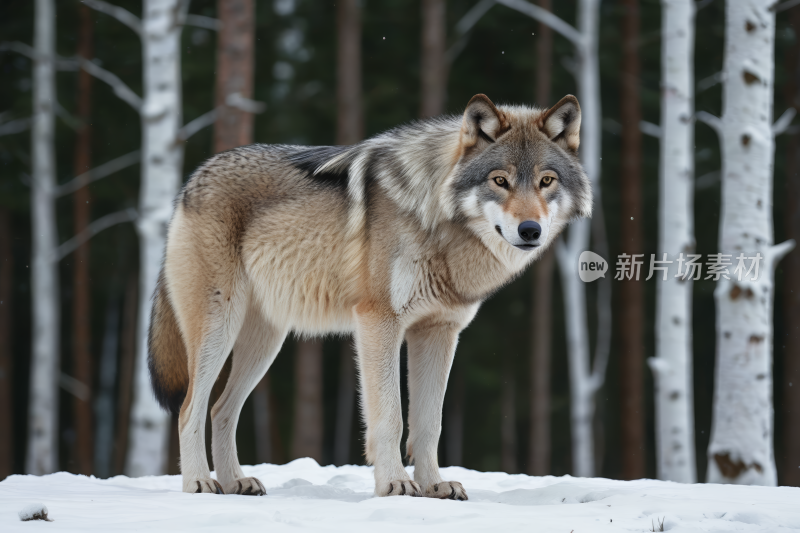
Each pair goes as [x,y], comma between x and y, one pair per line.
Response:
[410,163]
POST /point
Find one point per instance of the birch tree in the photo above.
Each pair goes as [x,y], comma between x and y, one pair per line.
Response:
[586,377]
[162,163]
[42,452]
[672,366]
[741,446]
[162,166]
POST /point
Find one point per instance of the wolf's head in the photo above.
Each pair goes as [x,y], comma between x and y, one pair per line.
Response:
[518,176]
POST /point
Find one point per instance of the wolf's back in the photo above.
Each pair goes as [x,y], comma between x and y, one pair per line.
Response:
[166,352]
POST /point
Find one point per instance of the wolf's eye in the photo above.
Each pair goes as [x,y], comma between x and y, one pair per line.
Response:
[547,180]
[501,181]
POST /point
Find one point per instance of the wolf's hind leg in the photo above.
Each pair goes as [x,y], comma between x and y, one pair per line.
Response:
[217,324]
[258,343]
[431,348]
[378,340]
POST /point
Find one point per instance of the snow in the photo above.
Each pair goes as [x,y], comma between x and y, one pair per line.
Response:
[302,495]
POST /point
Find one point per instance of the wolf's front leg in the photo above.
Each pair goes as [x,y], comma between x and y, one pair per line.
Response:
[378,340]
[431,347]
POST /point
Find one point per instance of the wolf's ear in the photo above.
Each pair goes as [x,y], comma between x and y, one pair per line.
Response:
[562,123]
[483,122]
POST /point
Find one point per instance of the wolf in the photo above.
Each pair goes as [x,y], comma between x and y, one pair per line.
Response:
[398,238]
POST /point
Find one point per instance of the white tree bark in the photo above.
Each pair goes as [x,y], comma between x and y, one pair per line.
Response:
[584,381]
[672,366]
[741,447]
[42,453]
[162,163]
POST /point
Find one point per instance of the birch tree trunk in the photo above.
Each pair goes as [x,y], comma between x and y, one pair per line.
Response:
[542,298]
[631,293]
[6,362]
[672,366]
[790,473]
[583,383]
[741,447]
[81,288]
[42,453]
[162,163]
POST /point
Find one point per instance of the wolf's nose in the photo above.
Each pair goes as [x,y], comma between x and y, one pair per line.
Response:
[529,230]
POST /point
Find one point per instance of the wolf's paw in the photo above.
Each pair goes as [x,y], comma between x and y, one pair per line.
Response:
[246,486]
[447,490]
[209,485]
[401,487]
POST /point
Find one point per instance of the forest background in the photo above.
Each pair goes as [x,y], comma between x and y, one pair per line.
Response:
[487,414]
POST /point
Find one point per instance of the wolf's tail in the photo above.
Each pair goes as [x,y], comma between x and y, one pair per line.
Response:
[166,352]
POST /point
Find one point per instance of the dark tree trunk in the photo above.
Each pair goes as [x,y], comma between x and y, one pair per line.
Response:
[81,284]
[454,419]
[631,297]
[261,408]
[350,115]
[6,385]
[349,130]
[541,326]
[307,434]
[433,65]
[508,420]
[790,473]
[126,363]
[234,127]
[345,407]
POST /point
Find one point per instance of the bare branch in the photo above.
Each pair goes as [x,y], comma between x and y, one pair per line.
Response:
[474,15]
[75,387]
[707,180]
[122,91]
[73,122]
[119,13]
[782,124]
[201,21]
[15,126]
[25,50]
[245,104]
[712,121]
[777,252]
[203,121]
[710,81]
[465,25]
[648,128]
[126,215]
[106,169]
[777,8]
[545,17]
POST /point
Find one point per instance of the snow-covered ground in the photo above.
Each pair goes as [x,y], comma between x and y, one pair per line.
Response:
[302,495]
